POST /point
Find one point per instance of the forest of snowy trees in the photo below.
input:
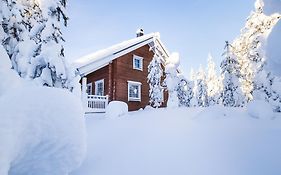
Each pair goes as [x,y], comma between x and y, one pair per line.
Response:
[242,78]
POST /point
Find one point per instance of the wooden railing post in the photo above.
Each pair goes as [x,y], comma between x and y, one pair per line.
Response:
[84,92]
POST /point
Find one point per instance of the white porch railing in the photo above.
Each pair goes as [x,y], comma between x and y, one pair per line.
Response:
[96,103]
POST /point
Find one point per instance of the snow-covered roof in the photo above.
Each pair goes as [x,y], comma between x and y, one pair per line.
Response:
[102,58]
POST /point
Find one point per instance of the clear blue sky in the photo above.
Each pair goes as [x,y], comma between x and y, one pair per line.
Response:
[192,28]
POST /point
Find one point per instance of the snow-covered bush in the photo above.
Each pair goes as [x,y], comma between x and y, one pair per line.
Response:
[116,109]
[42,131]
[260,109]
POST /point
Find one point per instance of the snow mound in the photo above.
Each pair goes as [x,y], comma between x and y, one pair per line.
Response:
[8,77]
[116,109]
[42,131]
[273,52]
[260,109]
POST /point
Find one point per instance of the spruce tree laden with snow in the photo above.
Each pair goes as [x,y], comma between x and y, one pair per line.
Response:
[201,89]
[155,74]
[249,47]
[185,92]
[33,40]
[51,68]
[213,82]
[232,95]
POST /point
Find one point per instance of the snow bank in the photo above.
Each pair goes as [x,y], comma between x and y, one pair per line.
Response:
[41,132]
[260,109]
[116,109]
[9,78]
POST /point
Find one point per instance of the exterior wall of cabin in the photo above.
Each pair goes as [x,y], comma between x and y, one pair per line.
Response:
[100,74]
[117,74]
[125,73]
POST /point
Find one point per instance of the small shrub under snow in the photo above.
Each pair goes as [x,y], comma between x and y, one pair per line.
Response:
[116,109]
[260,109]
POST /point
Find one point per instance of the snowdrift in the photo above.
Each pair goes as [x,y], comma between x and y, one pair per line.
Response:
[183,141]
[42,131]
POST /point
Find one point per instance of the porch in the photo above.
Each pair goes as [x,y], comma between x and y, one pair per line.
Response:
[93,103]
[96,104]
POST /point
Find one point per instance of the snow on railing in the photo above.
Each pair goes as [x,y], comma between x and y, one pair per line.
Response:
[96,103]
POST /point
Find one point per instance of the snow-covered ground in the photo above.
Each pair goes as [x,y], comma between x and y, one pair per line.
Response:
[185,141]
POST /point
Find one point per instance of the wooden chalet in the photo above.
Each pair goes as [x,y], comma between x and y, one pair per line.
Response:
[119,73]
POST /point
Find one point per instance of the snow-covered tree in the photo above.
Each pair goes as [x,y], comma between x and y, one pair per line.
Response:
[155,73]
[213,81]
[33,40]
[201,88]
[185,92]
[232,95]
[50,66]
[248,47]
[171,80]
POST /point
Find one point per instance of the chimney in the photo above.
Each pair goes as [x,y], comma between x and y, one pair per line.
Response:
[140,32]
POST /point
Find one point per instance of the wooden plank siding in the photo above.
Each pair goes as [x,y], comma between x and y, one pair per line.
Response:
[99,75]
[117,74]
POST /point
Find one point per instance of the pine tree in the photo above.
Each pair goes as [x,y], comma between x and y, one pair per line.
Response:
[213,82]
[232,95]
[201,89]
[12,25]
[50,65]
[185,92]
[155,74]
[33,40]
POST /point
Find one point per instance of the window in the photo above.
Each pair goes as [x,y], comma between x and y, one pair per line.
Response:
[134,91]
[99,87]
[89,89]
[137,62]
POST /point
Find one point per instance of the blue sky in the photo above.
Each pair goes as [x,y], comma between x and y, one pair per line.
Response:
[192,28]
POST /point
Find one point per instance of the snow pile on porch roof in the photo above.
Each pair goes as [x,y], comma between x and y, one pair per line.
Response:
[99,59]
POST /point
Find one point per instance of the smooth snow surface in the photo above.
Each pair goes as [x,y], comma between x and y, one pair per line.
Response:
[42,132]
[184,141]
[116,109]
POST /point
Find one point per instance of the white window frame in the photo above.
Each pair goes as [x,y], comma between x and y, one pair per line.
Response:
[135,57]
[96,87]
[89,88]
[135,83]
